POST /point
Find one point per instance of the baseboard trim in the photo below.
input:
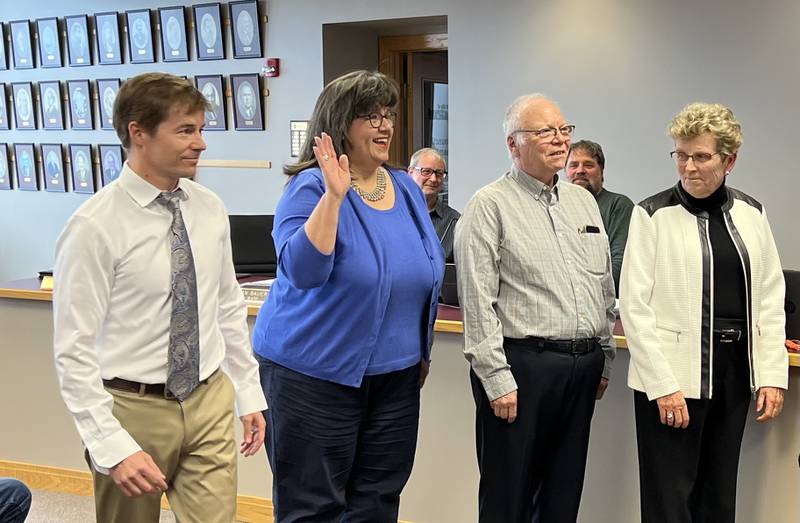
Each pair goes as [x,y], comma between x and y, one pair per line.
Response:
[250,509]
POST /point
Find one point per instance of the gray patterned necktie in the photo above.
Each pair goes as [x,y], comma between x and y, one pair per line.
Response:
[183,365]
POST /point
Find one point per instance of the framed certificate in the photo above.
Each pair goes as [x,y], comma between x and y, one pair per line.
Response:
[247,114]
[107,89]
[21,44]
[50,106]
[80,104]
[26,167]
[79,51]
[246,29]
[3,54]
[3,108]
[212,88]
[53,161]
[174,47]
[49,42]
[24,114]
[140,37]
[109,50]
[80,159]
[110,161]
[208,32]
[5,176]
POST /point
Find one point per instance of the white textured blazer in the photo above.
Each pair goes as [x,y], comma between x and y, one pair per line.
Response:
[667,298]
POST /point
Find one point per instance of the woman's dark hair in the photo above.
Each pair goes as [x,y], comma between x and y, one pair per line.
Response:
[359,92]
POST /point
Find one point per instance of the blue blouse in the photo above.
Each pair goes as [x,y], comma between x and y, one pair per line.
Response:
[401,333]
[324,313]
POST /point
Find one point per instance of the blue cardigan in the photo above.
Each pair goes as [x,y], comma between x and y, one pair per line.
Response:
[324,312]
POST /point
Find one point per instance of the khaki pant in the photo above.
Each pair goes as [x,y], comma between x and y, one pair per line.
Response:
[193,445]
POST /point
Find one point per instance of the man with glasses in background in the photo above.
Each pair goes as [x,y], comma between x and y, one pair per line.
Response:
[428,168]
[534,278]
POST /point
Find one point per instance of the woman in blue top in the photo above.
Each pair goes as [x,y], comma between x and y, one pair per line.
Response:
[344,337]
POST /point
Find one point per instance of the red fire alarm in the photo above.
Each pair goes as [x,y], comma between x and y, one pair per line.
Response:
[272,67]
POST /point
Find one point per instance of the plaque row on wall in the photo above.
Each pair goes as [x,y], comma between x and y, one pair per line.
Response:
[243,89]
[45,34]
[47,163]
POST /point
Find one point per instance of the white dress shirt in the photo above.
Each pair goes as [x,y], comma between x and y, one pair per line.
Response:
[112,304]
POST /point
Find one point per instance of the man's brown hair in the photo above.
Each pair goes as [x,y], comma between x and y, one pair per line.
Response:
[148,98]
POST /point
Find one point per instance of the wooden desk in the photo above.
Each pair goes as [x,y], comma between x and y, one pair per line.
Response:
[448,319]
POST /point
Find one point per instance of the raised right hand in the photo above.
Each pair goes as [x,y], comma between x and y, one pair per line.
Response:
[676,404]
[335,171]
[505,407]
[138,474]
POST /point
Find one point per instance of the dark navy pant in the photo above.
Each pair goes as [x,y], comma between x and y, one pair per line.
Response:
[533,469]
[15,500]
[339,453]
[689,475]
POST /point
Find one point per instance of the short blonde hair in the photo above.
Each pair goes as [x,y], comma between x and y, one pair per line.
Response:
[700,118]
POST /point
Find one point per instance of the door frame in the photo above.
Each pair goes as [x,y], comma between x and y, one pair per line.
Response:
[393,60]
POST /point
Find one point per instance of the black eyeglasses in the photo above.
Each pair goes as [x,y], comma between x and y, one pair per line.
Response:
[376,119]
[427,172]
[697,158]
[547,133]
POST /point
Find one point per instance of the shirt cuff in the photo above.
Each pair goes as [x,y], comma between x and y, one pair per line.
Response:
[110,451]
[250,399]
[499,384]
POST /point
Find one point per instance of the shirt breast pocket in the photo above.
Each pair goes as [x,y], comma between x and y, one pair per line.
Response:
[595,251]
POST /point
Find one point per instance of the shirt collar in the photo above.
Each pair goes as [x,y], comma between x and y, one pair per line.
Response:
[142,191]
[538,189]
[438,209]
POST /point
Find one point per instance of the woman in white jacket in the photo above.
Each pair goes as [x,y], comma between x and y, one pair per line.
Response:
[701,299]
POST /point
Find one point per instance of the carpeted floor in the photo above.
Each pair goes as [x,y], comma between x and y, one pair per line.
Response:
[55,507]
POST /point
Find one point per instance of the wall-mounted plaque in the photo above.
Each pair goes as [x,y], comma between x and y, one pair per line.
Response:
[212,88]
[80,159]
[246,29]
[110,162]
[208,32]
[50,105]
[79,50]
[80,104]
[26,167]
[109,50]
[53,161]
[21,44]
[247,113]
[25,117]
[140,37]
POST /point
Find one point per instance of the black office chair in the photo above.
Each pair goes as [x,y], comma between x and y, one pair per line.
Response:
[253,248]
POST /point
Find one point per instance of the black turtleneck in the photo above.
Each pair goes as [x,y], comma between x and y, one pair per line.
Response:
[729,285]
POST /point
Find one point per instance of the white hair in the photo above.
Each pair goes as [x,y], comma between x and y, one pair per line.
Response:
[419,154]
[512,117]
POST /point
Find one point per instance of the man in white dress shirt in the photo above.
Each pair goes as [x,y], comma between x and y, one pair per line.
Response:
[151,342]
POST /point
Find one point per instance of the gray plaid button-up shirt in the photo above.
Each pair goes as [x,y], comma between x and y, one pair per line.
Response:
[531,261]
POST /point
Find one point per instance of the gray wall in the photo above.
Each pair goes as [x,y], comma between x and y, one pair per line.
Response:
[620,70]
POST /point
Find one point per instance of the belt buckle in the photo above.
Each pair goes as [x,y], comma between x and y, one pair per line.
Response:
[574,345]
[727,335]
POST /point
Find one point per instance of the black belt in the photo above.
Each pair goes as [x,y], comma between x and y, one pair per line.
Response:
[577,346]
[157,389]
[727,335]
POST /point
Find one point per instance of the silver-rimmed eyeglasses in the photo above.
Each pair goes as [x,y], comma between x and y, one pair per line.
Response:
[547,133]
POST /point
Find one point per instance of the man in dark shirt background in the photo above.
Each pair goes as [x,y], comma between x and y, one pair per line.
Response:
[585,165]
[427,167]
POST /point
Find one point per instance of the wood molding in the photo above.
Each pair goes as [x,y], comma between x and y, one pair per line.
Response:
[250,509]
[27,294]
[236,164]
